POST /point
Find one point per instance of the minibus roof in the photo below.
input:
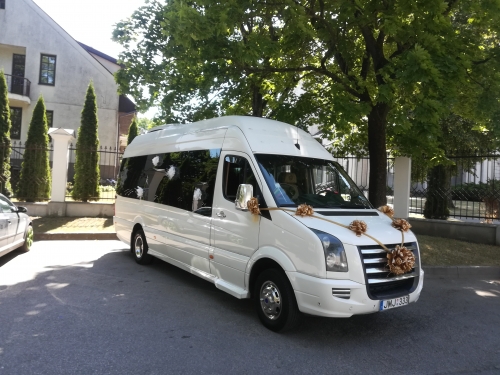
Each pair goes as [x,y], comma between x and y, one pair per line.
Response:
[263,135]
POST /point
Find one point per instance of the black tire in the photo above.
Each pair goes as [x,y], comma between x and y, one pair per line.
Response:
[275,301]
[139,248]
[28,239]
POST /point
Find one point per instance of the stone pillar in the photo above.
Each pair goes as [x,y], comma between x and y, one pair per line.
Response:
[60,158]
[402,183]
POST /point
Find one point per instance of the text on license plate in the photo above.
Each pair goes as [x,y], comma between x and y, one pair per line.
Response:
[395,302]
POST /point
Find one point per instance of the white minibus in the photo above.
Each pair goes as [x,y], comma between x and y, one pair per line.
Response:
[314,245]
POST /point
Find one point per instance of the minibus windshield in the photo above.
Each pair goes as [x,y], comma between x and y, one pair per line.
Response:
[319,183]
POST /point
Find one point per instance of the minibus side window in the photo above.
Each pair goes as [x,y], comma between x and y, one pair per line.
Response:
[237,171]
[130,172]
[189,180]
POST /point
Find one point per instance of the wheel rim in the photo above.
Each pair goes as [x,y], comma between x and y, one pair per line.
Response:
[270,300]
[29,237]
[138,246]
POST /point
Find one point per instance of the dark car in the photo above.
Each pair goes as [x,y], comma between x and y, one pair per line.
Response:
[16,229]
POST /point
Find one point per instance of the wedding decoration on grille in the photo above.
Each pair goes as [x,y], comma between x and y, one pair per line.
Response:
[156,160]
[358,226]
[401,224]
[304,210]
[253,206]
[400,260]
[387,210]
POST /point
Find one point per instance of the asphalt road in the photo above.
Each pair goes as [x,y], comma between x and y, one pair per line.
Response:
[85,307]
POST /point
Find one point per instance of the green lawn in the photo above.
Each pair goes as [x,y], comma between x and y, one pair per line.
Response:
[437,251]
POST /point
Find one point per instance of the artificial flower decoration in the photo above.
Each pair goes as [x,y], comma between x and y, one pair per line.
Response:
[197,194]
[171,172]
[304,210]
[156,160]
[401,224]
[253,206]
[139,191]
[387,210]
[400,260]
[358,226]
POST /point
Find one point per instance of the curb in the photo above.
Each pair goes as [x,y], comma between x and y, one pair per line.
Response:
[74,236]
[462,272]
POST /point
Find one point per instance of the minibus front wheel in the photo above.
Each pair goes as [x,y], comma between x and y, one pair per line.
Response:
[140,248]
[275,301]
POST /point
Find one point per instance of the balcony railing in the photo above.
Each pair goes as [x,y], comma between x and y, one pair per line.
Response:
[18,85]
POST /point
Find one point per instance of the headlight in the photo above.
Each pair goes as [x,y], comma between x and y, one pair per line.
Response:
[335,258]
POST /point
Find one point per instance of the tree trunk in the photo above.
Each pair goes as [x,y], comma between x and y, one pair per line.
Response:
[377,122]
[258,102]
[436,204]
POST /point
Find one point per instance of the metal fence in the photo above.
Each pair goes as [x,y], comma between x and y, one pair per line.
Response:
[471,189]
[33,186]
[109,165]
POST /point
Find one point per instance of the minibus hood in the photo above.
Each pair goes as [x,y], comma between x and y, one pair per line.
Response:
[378,224]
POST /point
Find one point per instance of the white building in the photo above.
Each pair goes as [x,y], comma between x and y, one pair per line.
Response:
[41,58]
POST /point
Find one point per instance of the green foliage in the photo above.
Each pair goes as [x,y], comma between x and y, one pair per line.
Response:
[87,173]
[5,148]
[375,76]
[35,177]
[145,123]
[133,131]
[476,192]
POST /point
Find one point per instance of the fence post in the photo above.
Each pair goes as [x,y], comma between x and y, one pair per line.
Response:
[61,138]
[402,182]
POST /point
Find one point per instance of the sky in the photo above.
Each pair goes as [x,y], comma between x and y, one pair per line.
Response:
[91,21]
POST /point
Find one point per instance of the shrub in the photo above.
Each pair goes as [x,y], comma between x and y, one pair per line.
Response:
[86,180]
[5,148]
[35,179]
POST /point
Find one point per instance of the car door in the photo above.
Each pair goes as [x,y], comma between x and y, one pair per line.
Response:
[235,233]
[9,222]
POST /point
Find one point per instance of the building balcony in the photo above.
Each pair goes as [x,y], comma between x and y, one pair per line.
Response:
[18,89]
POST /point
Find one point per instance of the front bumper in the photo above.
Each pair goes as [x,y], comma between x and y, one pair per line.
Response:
[314,296]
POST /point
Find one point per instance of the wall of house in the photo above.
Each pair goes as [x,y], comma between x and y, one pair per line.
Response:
[25,25]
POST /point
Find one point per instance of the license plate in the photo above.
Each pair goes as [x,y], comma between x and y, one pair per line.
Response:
[393,303]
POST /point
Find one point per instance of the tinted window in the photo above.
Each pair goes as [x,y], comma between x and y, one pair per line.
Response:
[184,180]
[237,171]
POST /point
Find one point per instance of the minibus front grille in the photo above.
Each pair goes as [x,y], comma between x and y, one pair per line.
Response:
[380,283]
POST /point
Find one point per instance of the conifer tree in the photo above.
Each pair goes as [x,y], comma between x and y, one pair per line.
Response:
[35,179]
[133,131]
[5,148]
[86,181]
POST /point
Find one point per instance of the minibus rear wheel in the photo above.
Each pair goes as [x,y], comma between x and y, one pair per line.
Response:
[140,248]
[275,301]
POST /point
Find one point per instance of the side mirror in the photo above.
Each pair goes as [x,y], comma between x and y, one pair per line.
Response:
[22,209]
[243,195]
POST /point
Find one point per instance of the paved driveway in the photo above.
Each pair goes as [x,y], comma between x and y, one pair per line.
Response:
[85,307]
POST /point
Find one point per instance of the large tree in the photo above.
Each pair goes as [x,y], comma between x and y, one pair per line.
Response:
[5,147]
[86,186]
[376,74]
[35,180]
